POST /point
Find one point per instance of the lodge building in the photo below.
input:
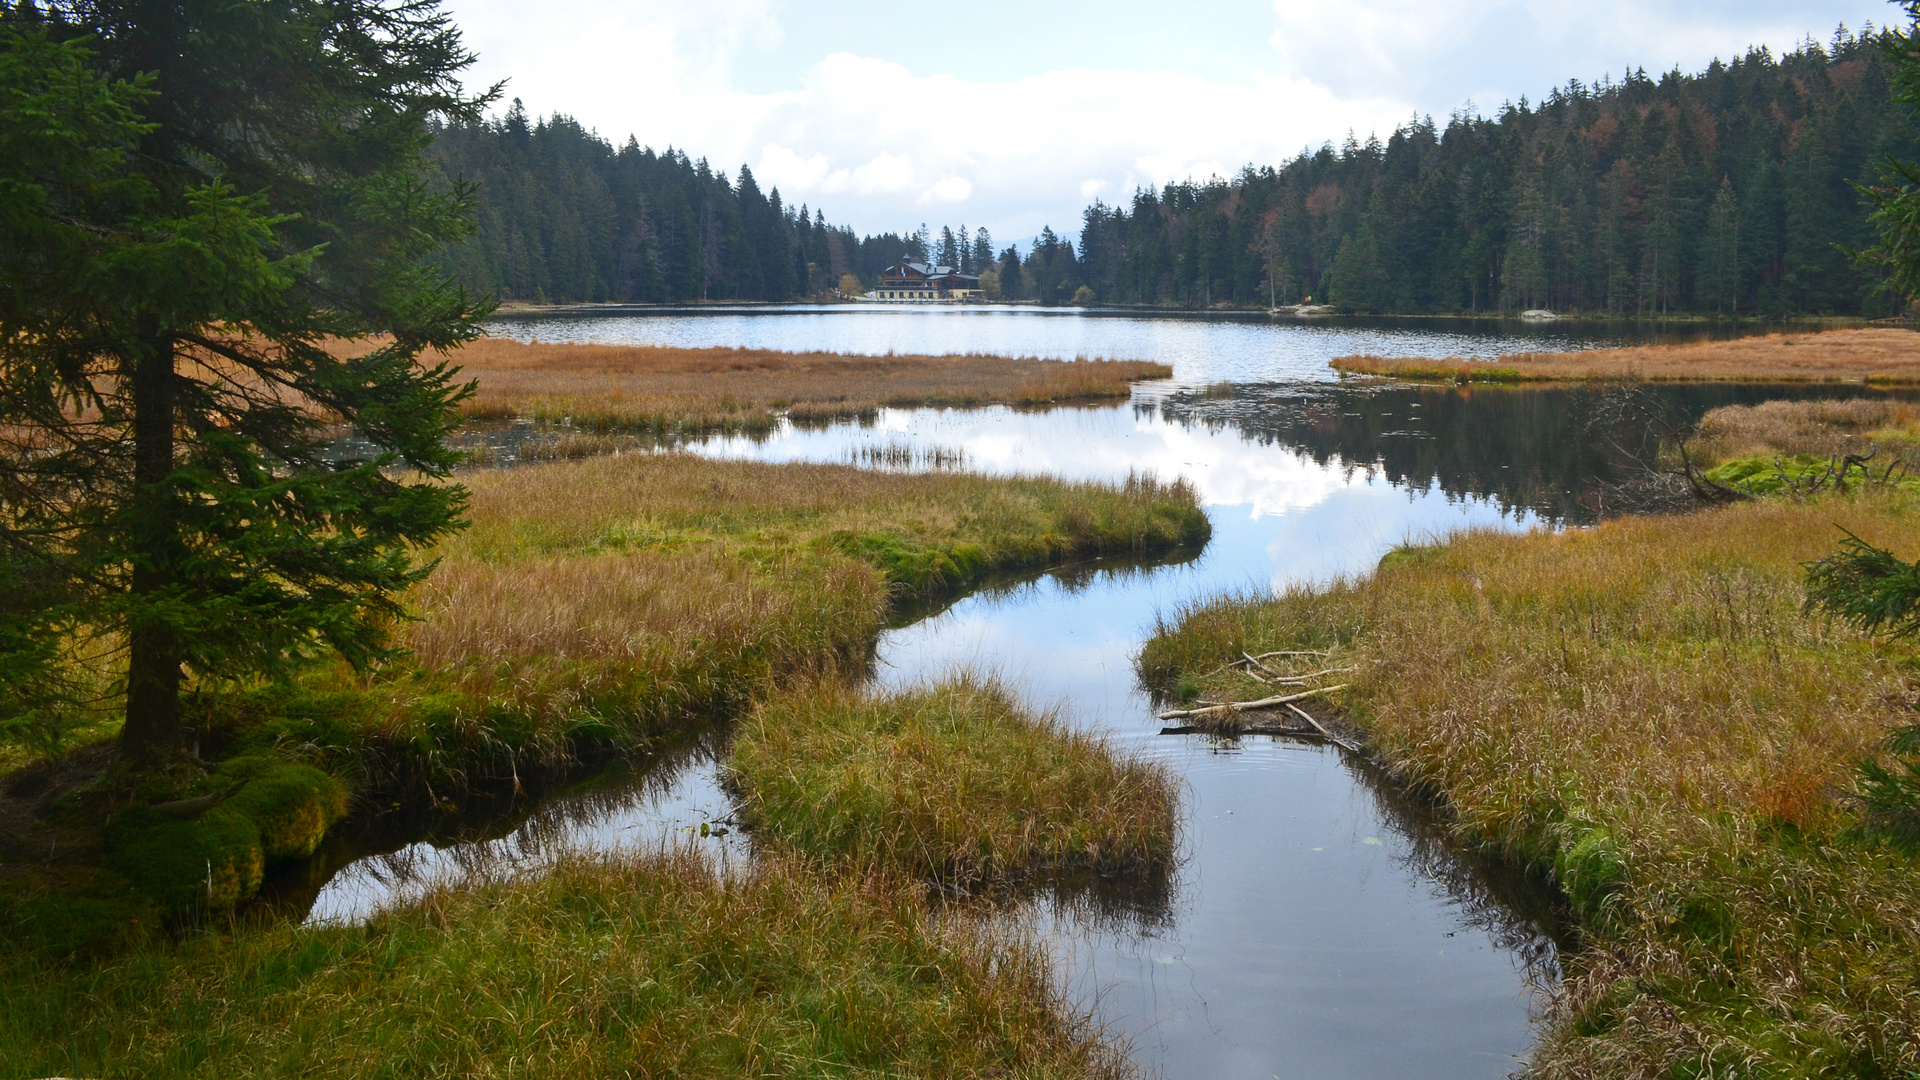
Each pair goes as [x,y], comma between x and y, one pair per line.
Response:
[918,281]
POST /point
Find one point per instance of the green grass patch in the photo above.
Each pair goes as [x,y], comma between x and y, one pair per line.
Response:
[621,967]
[956,782]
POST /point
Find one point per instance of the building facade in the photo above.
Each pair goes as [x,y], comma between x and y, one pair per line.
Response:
[912,281]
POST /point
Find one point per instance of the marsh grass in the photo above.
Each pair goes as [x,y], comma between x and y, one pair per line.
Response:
[956,783]
[672,391]
[615,966]
[1825,429]
[595,605]
[1645,709]
[1871,354]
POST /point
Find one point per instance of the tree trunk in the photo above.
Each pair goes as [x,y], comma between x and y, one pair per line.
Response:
[153,731]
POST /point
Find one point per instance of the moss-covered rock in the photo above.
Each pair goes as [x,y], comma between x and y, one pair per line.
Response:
[292,805]
[208,863]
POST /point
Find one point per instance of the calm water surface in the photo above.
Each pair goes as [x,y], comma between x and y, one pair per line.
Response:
[1319,923]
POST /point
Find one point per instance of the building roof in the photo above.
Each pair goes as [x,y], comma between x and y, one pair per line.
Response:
[925,270]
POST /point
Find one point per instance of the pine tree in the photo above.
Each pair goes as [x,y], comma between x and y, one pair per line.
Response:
[227,271]
[1720,259]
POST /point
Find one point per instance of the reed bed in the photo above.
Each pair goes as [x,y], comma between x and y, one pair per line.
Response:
[614,966]
[1870,354]
[1824,429]
[663,390]
[955,783]
[602,603]
[1645,708]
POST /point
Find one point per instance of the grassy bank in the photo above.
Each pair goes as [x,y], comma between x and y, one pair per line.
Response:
[591,608]
[659,390]
[1644,708]
[611,599]
[955,782]
[1880,355]
[629,967]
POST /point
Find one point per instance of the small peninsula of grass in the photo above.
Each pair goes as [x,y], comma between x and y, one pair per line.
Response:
[1645,709]
[955,782]
[637,966]
[661,390]
[592,608]
[617,598]
[1881,355]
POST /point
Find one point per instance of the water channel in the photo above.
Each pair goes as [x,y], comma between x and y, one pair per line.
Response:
[1320,923]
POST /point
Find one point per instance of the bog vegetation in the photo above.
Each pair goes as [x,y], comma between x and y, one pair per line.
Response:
[1648,711]
[955,782]
[652,965]
[1876,355]
[664,391]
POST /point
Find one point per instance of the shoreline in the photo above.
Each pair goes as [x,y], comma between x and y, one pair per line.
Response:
[1580,318]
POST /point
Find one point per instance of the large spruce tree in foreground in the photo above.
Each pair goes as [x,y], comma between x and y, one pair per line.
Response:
[214,221]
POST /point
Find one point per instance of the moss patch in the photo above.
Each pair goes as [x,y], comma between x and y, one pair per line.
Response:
[209,863]
[292,805]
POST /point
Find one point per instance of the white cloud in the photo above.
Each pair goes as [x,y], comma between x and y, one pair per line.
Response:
[885,174]
[951,189]
[1436,54]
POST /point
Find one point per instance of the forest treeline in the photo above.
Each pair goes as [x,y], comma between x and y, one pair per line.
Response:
[565,217]
[1729,191]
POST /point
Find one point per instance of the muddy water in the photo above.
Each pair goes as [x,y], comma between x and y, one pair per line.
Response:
[1319,923]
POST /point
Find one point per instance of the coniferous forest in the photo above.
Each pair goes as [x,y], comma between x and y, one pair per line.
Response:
[565,217]
[1731,191]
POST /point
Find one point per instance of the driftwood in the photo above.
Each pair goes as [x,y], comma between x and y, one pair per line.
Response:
[1268,725]
[1322,728]
[1242,706]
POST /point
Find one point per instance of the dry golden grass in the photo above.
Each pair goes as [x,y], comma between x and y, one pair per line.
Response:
[1645,707]
[1871,354]
[673,389]
[1816,428]
[622,966]
[618,598]
[954,782]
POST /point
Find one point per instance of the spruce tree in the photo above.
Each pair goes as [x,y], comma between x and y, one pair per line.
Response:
[212,259]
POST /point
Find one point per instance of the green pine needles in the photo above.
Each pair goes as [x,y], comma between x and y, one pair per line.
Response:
[214,227]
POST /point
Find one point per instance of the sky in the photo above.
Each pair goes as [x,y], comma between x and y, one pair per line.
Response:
[1014,114]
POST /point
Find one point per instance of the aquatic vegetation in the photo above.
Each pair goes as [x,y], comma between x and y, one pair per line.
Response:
[956,782]
[661,390]
[1647,709]
[1887,427]
[1869,354]
[641,965]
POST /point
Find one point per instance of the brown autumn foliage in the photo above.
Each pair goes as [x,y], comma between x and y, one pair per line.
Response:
[658,386]
[1866,354]
[1886,426]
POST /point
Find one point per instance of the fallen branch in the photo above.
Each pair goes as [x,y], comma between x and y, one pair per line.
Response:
[1321,728]
[1241,706]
